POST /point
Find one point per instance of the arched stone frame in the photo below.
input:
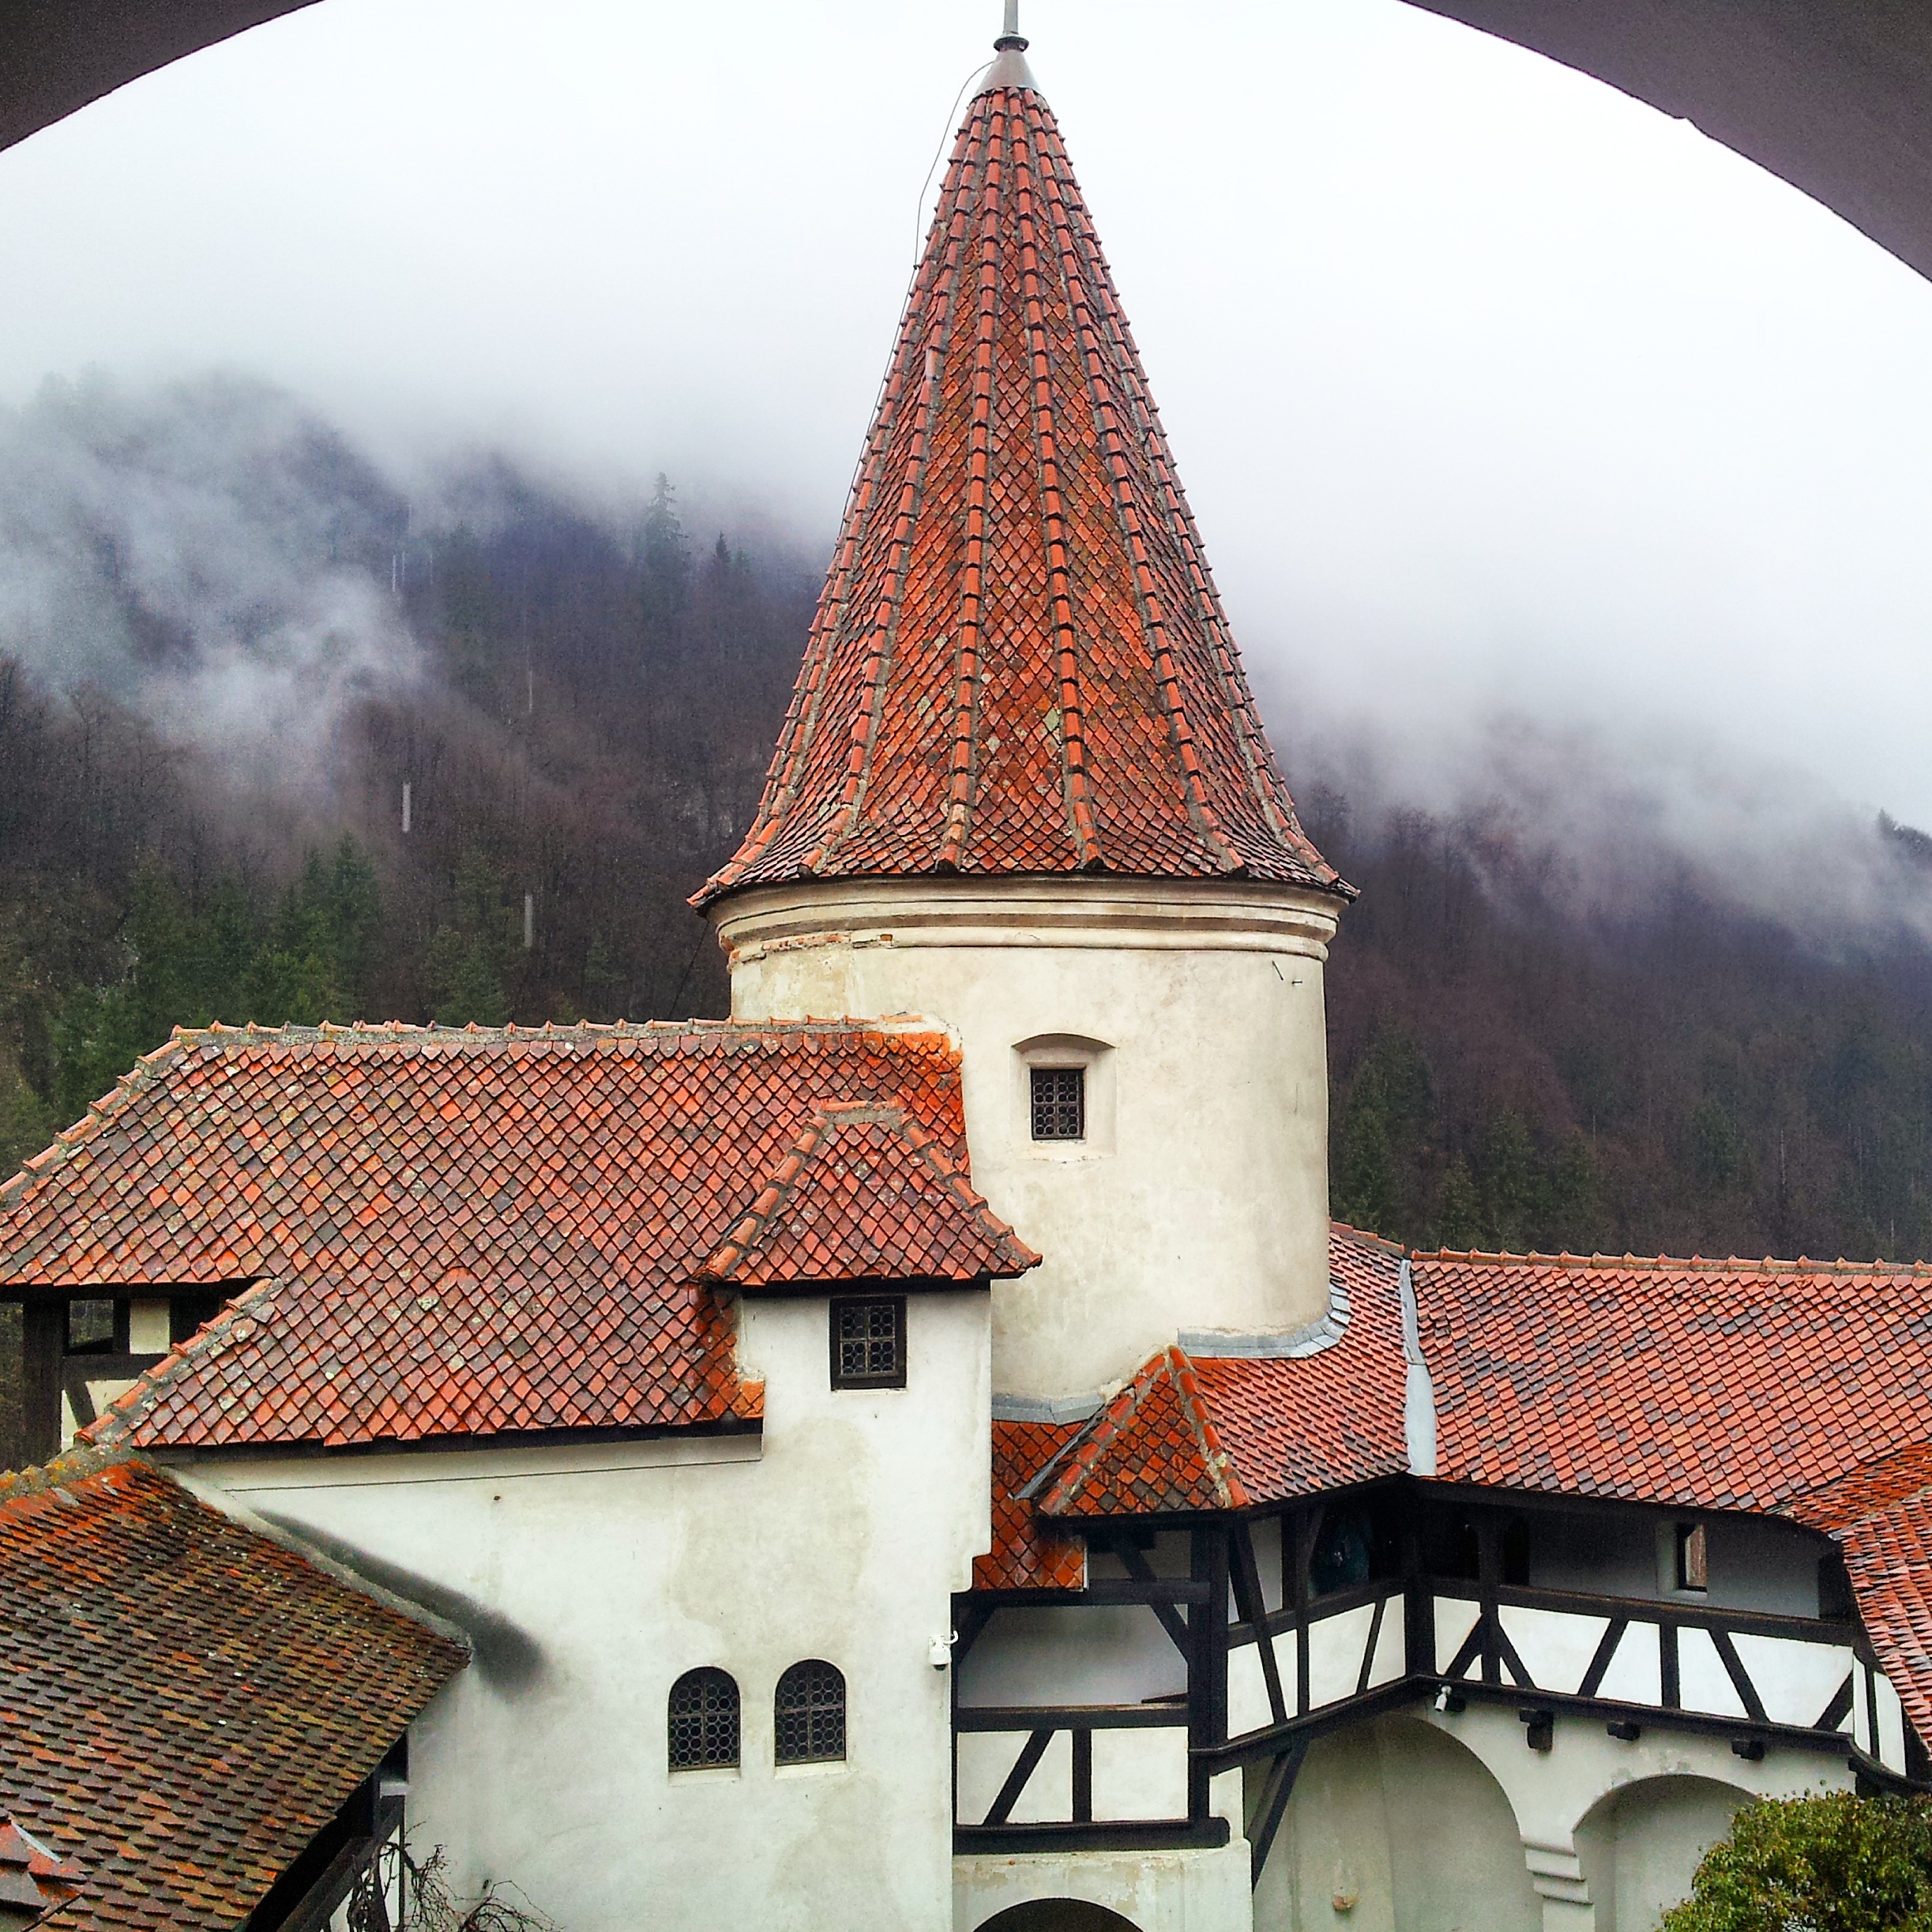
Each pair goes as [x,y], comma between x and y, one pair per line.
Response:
[1639,1845]
[1396,1823]
[1057,1915]
[1552,1791]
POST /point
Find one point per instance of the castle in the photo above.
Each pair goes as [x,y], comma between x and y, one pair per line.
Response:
[918,1454]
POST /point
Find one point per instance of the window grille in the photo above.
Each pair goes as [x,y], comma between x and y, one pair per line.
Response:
[704,1720]
[1059,1103]
[869,1343]
[810,1711]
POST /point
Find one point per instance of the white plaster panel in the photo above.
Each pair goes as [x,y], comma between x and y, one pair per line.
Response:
[1111,1654]
[605,1572]
[1153,1890]
[1391,1647]
[985,1757]
[1703,1682]
[1556,1647]
[1455,1618]
[1210,1209]
[1140,1774]
[1794,1681]
[1335,1648]
[148,1327]
[1891,1725]
[1636,1672]
[1248,1708]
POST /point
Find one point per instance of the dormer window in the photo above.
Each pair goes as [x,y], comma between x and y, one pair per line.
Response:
[1693,1566]
[869,1342]
[1059,1103]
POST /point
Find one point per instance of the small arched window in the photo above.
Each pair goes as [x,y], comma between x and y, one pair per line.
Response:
[810,1710]
[704,1720]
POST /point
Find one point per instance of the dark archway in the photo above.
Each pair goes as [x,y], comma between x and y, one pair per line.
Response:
[1057,1915]
[1830,96]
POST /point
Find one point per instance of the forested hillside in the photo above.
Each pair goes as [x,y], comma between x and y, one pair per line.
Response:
[583,722]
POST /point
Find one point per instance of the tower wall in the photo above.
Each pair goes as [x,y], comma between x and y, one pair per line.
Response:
[1198,1198]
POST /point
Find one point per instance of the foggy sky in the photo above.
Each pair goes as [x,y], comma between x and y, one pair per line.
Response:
[1529,430]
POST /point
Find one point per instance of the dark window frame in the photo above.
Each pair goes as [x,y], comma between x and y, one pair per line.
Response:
[708,1718]
[823,1721]
[1053,1109]
[896,1378]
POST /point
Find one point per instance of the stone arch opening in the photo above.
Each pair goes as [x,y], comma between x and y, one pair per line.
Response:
[1057,1915]
[1397,1824]
[1639,1844]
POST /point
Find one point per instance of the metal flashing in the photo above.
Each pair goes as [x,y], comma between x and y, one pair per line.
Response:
[1418,1394]
[1290,1345]
[1045,1408]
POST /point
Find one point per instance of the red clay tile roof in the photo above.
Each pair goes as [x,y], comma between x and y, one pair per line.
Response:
[1717,1384]
[1027,1552]
[1191,1433]
[1020,663]
[463,1232]
[864,1194]
[34,1877]
[1888,1551]
[183,1704]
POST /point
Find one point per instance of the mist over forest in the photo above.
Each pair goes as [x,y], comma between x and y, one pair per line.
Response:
[228,640]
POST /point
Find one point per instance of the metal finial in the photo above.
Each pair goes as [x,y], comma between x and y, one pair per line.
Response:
[1010,36]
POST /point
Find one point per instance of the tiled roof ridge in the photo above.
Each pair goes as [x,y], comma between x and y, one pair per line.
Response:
[902,1031]
[253,1305]
[1668,1264]
[23,1490]
[145,1072]
[746,1232]
[1055,1486]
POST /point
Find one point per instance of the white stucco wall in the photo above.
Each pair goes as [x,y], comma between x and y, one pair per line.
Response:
[1183,1891]
[1200,1199]
[1640,1846]
[842,1537]
[1430,1822]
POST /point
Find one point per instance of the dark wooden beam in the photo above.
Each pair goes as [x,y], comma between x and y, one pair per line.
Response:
[43,1335]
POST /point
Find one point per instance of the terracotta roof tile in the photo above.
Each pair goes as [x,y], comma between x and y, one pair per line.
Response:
[1027,1552]
[464,1232]
[1020,663]
[864,1194]
[1719,1385]
[1226,1432]
[183,1704]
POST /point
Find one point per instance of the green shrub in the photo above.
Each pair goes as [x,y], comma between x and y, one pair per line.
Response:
[1829,1864]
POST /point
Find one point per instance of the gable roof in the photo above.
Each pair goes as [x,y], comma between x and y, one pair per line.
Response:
[1020,663]
[183,1704]
[464,1232]
[1193,1433]
[864,1194]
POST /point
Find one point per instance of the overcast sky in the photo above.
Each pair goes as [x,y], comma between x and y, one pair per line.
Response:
[1503,398]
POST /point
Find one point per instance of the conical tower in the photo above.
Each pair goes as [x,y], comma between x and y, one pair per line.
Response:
[1023,787]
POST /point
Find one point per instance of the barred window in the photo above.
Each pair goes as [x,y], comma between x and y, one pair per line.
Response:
[704,1720]
[869,1342]
[810,1710]
[1059,1103]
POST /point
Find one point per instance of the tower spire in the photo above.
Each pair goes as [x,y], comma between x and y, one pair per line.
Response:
[1019,665]
[1009,68]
